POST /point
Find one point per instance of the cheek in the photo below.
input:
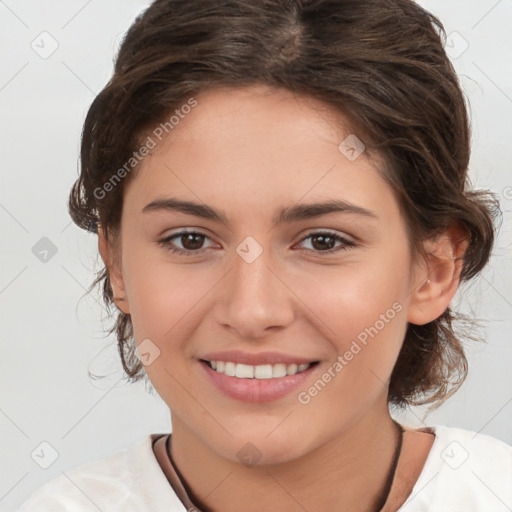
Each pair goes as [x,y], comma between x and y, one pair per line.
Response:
[166,304]
[353,297]
[363,310]
[166,298]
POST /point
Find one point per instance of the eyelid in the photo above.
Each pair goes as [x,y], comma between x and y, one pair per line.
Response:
[346,242]
[315,231]
[184,231]
[312,231]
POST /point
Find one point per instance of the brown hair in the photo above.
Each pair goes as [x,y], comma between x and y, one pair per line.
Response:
[380,62]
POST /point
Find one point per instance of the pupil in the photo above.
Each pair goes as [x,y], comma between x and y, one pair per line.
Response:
[190,238]
[323,239]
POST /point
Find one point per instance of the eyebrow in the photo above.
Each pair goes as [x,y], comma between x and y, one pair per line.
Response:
[285,215]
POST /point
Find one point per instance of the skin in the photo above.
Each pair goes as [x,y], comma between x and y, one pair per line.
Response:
[250,152]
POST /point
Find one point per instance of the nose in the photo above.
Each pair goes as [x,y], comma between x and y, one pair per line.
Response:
[256,298]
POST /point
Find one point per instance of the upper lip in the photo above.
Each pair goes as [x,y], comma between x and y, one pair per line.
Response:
[256,358]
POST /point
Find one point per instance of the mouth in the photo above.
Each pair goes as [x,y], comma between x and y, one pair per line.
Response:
[257,383]
[260,372]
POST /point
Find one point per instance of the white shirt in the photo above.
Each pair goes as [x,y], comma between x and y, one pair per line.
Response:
[464,472]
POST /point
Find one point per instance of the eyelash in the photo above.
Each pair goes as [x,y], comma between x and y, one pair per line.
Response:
[347,244]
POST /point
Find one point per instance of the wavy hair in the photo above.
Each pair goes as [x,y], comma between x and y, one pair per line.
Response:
[381,63]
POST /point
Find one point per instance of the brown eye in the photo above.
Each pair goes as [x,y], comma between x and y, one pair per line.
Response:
[191,241]
[324,241]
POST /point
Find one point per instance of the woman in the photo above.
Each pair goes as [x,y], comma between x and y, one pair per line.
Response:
[282,205]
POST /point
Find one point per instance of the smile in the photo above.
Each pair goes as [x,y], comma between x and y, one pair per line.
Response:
[258,383]
[264,371]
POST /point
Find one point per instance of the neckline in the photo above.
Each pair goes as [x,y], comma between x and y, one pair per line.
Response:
[429,470]
[390,480]
[175,481]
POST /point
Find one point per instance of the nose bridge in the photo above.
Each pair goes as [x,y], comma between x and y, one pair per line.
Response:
[256,298]
[252,276]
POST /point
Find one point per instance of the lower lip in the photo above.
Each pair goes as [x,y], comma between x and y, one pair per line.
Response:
[257,390]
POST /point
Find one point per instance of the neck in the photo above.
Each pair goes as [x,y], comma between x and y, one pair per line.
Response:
[350,472]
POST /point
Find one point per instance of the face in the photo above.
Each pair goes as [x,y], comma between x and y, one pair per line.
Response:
[259,292]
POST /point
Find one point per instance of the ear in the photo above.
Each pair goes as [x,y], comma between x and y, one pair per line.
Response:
[437,278]
[108,256]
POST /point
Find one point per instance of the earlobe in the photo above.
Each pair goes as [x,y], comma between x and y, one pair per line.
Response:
[115,276]
[439,277]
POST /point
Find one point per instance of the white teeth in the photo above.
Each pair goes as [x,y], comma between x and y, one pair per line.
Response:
[230,369]
[278,370]
[263,371]
[292,369]
[244,371]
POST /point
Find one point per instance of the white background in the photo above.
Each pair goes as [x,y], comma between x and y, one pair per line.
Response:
[50,338]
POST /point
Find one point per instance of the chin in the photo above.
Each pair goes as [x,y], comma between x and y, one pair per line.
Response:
[255,447]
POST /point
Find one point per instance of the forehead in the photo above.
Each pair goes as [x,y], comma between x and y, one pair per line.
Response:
[256,146]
